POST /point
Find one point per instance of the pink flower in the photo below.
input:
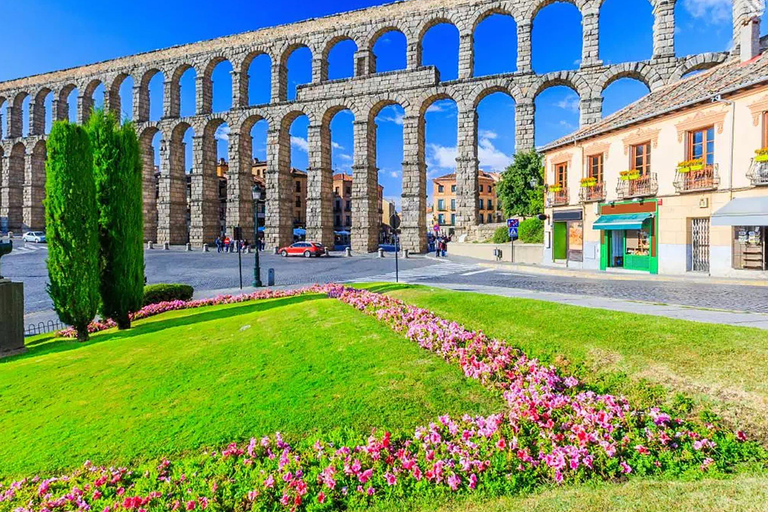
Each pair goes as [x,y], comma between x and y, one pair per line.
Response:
[321,497]
[625,468]
[191,504]
[269,483]
[390,478]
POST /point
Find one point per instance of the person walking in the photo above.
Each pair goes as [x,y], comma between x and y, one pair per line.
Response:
[218,244]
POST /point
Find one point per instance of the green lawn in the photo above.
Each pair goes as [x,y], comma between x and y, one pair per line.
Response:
[203,378]
[647,358]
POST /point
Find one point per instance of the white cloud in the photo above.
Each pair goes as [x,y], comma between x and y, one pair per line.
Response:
[397,118]
[300,143]
[570,103]
[709,11]
[488,134]
[222,133]
[441,158]
[394,174]
[565,124]
[336,145]
[344,156]
[490,156]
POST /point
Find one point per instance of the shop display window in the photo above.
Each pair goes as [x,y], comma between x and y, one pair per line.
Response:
[638,243]
[749,248]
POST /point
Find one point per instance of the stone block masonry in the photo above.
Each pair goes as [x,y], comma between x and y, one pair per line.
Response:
[22,173]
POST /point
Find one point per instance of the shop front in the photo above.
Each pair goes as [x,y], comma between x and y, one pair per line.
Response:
[568,236]
[629,236]
[748,219]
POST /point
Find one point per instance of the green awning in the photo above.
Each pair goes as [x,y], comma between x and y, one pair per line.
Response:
[622,222]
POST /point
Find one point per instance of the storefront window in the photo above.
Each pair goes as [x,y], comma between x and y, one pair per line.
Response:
[749,248]
[638,243]
[576,241]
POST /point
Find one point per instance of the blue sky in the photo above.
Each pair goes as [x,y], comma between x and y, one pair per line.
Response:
[46,35]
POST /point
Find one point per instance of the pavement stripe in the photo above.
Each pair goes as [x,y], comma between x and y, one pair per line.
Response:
[476,272]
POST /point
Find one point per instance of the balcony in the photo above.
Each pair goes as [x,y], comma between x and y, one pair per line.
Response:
[758,173]
[557,196]
[706,178]
[592,193]
[644,186]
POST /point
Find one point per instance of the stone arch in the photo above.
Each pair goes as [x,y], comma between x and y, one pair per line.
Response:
[443,19]
[88,101]
[16,114]
[38,117]
[502,8]
[639,71]
[536,8]
[34,188]
[63,111]
[142,108]
[150,180]
[639,19]
[3,109]
[174,92]
[13,198]
[571,80]
[285,54]
[205,101]
[172,201]
[113,94]
[329,46]
[697,63]
[245,74]
[375,34]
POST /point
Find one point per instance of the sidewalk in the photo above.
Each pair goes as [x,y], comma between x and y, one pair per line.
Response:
[733,318]
[604,276]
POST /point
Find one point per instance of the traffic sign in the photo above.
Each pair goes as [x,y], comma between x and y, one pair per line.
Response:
[394,222]
[436,228]
[513,234]
[513,223]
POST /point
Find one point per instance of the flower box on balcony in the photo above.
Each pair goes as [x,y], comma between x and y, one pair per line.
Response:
[690,166]
[588,182]
[629,175]
[761,155]
[555,188]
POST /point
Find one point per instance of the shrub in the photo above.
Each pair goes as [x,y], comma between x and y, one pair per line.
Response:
[117,170]
[71,218]
[501,236]
[157,293]
[532,231]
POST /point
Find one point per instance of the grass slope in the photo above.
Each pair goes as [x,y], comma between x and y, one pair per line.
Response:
[721,367]
[206,377]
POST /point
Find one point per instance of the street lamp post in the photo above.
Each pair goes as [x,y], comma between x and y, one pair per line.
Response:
[258,192]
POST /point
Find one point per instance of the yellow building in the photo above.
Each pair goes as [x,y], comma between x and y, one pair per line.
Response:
[444,197]
[676,182]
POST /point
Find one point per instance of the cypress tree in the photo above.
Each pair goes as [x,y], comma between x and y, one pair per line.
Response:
[71,217]
[117,169]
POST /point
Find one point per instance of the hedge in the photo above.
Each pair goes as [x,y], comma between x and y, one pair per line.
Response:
[157,293]
[501,236]
[532,231]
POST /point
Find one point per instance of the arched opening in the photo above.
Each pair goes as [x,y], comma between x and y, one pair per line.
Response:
[299,69]
[340,59]
[556,38]
[12,203]
[617,44]
[72,107]
[25,113]
[175,182]
[156,85]
[255,136]
[93,98]
[121,96]
[388,120]
[34,184]
[42,117]
[223,173]
[185,82]
[439,147]
[557,113]
[3,117]
[258,69]
[702,27]
[341,135]
[220,77]
[440,48]
[390,48]
[622,92]
[495,132]
[151,141]
[495,45]
[299,162]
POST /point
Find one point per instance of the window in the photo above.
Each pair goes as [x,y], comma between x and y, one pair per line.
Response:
[349,220]
[701,144]
[453,189]
[453,204]
[595,167]
[298,202]
[490,204]
[561,174]
[440,189]
[298,186]
[338,220]
[641,158]
[765,129]
[749,248]
[348,191]
[337,191]
[481,188]
[453,219]
[490,219]
[441,204]
[480,204]
[441,219]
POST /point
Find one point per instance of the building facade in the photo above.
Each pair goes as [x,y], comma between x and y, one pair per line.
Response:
[675,183]
[444,191]
[414,88]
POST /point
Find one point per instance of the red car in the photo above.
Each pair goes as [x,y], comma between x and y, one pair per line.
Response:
[306,249]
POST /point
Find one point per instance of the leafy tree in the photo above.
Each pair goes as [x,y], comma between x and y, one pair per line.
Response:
[514,190]
[532,231]
[501,235]
[71,218]
[117,169]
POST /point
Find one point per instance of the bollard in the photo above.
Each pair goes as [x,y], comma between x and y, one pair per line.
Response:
[189,247]
[407,254]
[166,246]
[150,245]
[276,249]
[271,277]
[381,252]
[205,247]
[349,252]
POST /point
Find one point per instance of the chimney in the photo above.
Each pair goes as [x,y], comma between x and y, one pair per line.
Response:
[750,39]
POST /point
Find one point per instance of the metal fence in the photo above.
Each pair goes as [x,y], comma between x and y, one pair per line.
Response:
[44,328]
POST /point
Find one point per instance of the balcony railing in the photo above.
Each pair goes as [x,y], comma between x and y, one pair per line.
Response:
[644,186]
[558,197]
[593,193]
[758,173]
[706,178]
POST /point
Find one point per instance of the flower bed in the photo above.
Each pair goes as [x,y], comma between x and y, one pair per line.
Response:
[551,429]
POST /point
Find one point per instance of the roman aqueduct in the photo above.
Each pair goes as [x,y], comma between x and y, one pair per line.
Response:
[414,89]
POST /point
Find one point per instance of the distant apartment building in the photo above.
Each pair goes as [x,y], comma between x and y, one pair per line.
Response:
[444,205]
[342,202]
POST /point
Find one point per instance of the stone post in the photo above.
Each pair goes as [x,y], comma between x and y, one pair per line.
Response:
[466,56]
[239,89]
[203,94]
[37,117]
[84,107]
[590,54]
[60,109]
[240,184]
[591,110]
[320,186]
[414,226]
[467,169]
[365,62]
[15,123]
[11,190]
[34,189]
[524,30]
[279,82]
[149,188]
[172,203]
[141,103]
[204,224]
[171,99]
[366,219]
[319,69]
[279,216]
[524,124]
[664,29]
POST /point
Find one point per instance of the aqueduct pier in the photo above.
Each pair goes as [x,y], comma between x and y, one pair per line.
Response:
[365,94]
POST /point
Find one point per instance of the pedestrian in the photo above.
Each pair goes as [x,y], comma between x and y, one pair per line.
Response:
[227,242]
[445,247]
[218,244]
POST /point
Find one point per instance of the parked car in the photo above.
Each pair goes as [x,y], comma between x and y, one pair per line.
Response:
[306,249]
[34,236]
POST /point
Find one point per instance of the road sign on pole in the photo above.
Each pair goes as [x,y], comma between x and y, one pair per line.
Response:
[514,226]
